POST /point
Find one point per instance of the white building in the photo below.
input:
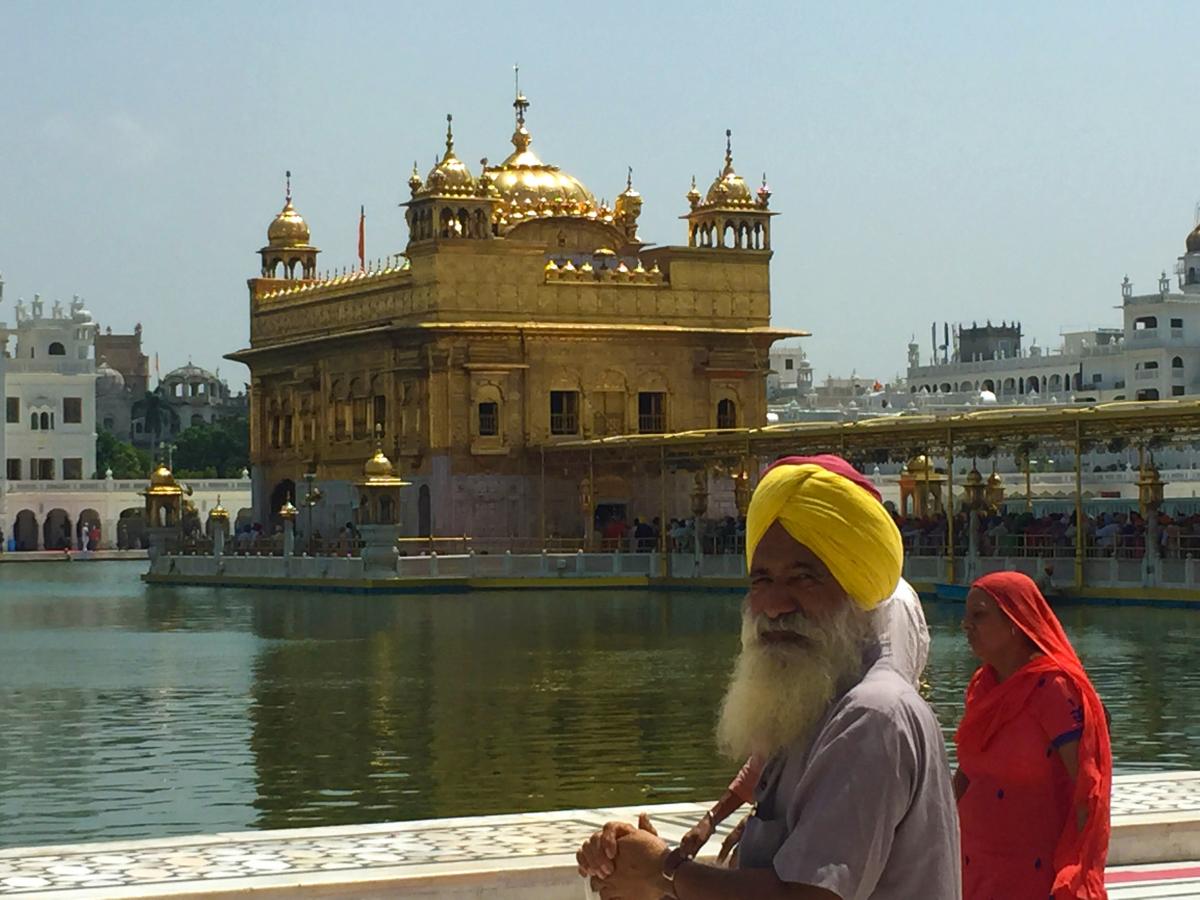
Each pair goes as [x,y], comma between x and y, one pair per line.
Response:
[1154,355]
[48,378]
[791,372]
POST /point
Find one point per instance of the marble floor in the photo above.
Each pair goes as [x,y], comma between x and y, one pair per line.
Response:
[456,848]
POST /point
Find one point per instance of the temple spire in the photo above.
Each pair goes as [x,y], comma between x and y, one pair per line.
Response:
[520,104]
[449,134]
[287,193]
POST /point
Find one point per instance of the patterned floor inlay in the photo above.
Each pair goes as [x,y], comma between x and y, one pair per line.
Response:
[456,844]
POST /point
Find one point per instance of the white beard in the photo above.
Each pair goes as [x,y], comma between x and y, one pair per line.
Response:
[779,692]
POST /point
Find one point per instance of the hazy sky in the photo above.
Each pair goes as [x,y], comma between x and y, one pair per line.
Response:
[944,161]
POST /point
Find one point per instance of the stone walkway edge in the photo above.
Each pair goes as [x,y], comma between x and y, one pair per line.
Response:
[530,856]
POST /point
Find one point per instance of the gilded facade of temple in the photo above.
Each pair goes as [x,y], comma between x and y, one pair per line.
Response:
[522,312]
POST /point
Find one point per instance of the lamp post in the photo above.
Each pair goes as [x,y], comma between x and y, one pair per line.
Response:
[312,496]
[699,498]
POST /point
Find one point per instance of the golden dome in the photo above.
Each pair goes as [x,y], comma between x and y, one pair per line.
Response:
[378,472]
[162,483]
[161,476]
[288,229]
[450,175]
[918,465]
[379,465]
[524,182]
[1193,240]
[974,477]
[218,512]
[729,188]
[994,480]
[288,511]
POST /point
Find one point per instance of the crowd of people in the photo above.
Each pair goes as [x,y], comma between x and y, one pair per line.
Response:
[1120,534]
[723,535]
[844,762]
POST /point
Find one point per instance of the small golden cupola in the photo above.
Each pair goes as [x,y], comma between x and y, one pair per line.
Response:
[289,253]
[449,177]
[627,208]
[731,216]
[451,203]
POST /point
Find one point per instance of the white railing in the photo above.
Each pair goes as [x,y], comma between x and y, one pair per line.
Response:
[124,485]
[51,365]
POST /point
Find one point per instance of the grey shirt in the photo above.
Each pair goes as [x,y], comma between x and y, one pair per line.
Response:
[866,808]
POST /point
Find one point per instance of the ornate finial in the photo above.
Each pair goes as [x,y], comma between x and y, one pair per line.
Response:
[287,197]
[764,192]
[629,179]
[520,104]
[449,134]
[728,148]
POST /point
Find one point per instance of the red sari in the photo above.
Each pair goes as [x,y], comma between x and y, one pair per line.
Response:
[1020,837]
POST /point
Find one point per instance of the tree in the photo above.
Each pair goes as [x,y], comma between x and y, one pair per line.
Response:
[219,450]
[125,460]
[157,414]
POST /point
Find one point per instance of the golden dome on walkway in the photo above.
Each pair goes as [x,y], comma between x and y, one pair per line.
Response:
[161,476]
[379,471]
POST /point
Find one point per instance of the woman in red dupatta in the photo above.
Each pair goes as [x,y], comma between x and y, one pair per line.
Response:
[1035,766]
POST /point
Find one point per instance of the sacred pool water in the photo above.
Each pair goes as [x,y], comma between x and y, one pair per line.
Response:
[148,711]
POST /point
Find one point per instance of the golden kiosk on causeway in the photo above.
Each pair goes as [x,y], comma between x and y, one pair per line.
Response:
[522,314]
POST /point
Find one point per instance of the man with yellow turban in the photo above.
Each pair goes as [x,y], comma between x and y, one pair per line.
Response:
[855,801]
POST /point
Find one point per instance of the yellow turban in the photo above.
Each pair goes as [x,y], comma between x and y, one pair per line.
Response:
[847,528]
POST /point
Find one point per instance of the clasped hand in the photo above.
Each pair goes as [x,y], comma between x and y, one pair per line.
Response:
[624,862]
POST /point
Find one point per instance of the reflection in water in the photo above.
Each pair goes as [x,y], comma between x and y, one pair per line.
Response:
[147,711]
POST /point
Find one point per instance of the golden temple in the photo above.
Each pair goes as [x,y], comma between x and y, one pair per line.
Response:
[522,314]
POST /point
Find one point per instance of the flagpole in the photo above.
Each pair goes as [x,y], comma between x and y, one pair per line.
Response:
[362,224]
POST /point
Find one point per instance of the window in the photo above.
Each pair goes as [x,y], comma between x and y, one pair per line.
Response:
[33,421]
[72,410]
[57,349]
[197,419]
[1177,363]
[1177,323]
[12,410]
[727,414]
[72,468]
[564,412]
[341,413]
[609,413]
[789,364]
[1177,390]
[379,414]
[1152,364]
[286,441]
[41,469]
[1097,378]
[1148,394]
[12,469]
[489,419]
[359,424]
[1141,324]
[652,412]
